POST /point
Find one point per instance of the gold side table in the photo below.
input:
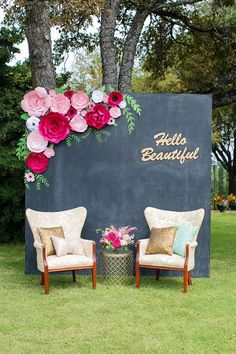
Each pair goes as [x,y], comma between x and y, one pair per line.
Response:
[117,268]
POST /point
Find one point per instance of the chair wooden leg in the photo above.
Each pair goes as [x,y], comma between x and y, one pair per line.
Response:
[74,276]
[137,276]
[185,281]
[157,274]
[94,276]
[42,279]
[46,282]
[189,279]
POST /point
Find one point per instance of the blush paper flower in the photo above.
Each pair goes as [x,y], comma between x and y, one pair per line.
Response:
[97,96]
[36,142]
[78,124]
[123,104]
[111,121]
[32,123]
[98,116]
[37,162]
[36,102]
[60,104]
[49,152]
[115,112]
[79,100]
[29,176]
[54,127]
[115,98]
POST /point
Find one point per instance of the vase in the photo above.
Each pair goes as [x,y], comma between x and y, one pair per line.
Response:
[117,267]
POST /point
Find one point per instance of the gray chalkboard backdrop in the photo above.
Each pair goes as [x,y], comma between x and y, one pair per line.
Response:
[115,185]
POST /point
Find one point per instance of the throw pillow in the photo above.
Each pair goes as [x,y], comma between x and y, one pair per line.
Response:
[185,234]
[161,241]
[46,234]
[68,246]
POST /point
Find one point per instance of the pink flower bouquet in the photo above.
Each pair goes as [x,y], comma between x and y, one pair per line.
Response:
[117,238]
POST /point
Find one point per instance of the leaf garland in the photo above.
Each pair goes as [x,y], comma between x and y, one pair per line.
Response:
[133,103]
[78,138]
[41,180]
[130,119]
[22,151]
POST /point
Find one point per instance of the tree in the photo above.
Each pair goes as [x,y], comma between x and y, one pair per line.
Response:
[14,81]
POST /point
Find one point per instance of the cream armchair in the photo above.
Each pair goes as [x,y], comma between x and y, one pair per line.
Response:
[72,222]
[162,218]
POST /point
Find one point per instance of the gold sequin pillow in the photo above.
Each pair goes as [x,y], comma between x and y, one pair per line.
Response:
[46,234]
[161,241]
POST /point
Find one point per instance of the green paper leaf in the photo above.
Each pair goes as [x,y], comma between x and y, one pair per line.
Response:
[103,88]
[41,180]
[24,116]
[60,90]
[111,89]
[130,120]
[22,151]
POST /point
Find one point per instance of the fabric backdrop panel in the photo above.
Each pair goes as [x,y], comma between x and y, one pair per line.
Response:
[115,185]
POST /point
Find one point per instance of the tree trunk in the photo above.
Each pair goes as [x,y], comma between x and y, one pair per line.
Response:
[232,172]
[37,28]
[107,43]
[129,51]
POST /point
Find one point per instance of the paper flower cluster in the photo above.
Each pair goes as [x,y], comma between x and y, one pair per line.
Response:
[52,117]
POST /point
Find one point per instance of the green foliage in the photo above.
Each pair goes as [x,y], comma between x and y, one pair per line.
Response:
[130,119]
[41,180]
[77,137]
[22,151]
[133,103]
[24,116]
[14,82]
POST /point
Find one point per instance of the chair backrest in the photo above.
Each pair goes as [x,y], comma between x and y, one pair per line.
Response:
[71,220]
[164,218]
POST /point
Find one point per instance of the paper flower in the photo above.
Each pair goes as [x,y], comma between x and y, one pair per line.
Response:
[111,121]
[97,96]
[115,112]
[69,94]
[105,99]
[54,127]
[37,162]
[79,100]
[30,177]
[52,93]
[115,98]
[98,116]
[78,124]
[32,123]
[60,104]
[49,152]
[36,142]
[123,104]
[36,102]
[71,113]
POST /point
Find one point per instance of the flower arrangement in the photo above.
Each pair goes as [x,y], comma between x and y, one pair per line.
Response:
[221,202]
[58,115]
[117,238]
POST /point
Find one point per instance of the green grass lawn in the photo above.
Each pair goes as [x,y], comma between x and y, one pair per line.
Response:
[157,318]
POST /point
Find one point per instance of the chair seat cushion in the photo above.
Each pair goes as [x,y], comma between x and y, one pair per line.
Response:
[68,261]
[162,260]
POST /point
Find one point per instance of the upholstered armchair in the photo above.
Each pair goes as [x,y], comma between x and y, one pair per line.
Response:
[72,222]
[157,218]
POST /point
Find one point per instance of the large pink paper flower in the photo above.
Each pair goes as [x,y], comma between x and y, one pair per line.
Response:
[36,102]
[60,104]
[54,127]
[79,100]
[115,112]
[78,124]
[37,162]
[98,116]
[36,142]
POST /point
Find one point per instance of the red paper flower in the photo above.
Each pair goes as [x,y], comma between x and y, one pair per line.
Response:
[115,98]
[54,127]
[69,94]
[98,116]
[71,113]
[37,162]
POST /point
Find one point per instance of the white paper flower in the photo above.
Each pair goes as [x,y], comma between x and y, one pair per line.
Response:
[111,121]
[122,104]
[97,96]
[36,142]
[32,123]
